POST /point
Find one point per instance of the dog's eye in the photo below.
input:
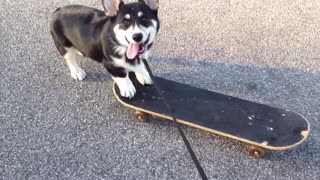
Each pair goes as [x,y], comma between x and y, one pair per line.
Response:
[126,22]
[144,19]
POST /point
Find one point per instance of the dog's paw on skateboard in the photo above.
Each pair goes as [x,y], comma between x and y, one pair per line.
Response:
[126,87]
[144,79]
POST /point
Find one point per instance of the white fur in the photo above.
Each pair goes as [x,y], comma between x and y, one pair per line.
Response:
[146,54]
[75,70]
[127,16]
[120,49]
[142,74]
[126,87]
[152,30]
[121,34]
[140,13]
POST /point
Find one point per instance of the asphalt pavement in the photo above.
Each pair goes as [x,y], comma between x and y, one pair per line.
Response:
[53,127]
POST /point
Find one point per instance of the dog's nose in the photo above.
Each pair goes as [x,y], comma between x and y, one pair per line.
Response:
[137,37]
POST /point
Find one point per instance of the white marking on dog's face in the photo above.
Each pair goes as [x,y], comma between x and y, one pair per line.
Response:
[127,16]
[140,13]
[120,49]
[136,30]
[152,31]
[124,37]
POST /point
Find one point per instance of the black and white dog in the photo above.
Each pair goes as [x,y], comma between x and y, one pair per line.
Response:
[117,37]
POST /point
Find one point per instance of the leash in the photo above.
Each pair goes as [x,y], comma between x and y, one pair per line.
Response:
[184,138]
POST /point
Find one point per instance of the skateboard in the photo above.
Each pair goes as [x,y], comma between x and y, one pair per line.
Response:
[261,126]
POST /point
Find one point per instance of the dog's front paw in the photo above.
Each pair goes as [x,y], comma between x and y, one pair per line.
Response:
[127,90]
[126,87]
[78,74]
[144,79]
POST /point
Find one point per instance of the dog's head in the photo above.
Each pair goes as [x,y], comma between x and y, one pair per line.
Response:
[136,24]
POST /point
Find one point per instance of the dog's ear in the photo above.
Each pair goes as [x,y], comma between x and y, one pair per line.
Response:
[111,7]
[153,4]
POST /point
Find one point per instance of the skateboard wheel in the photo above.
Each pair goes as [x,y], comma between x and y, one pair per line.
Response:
[257,152]
[142,116]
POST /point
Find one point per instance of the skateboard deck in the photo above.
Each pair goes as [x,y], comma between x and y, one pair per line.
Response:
[257,124]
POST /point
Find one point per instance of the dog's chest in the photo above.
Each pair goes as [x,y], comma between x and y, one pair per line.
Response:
[129,64]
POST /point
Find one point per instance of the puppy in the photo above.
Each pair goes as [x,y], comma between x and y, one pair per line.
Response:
[117,37]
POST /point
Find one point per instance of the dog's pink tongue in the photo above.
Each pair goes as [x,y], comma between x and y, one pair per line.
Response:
[133,50]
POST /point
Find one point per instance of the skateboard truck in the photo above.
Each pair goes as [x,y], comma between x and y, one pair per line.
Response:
[142,116]
[257,152]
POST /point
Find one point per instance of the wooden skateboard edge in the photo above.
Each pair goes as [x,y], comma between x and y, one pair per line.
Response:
[305,133]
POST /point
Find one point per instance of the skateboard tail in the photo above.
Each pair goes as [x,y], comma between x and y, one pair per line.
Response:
[264,144]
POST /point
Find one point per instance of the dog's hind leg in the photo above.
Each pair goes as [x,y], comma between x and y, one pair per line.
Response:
[69,54]
[75,70]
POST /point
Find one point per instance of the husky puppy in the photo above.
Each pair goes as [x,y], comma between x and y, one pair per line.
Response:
[117,37]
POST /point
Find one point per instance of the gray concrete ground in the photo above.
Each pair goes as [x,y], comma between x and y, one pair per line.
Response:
[52,127]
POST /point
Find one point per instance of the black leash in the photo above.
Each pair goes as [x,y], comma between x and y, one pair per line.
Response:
[184,138]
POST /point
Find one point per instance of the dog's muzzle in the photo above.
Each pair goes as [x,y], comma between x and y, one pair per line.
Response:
[136,48]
